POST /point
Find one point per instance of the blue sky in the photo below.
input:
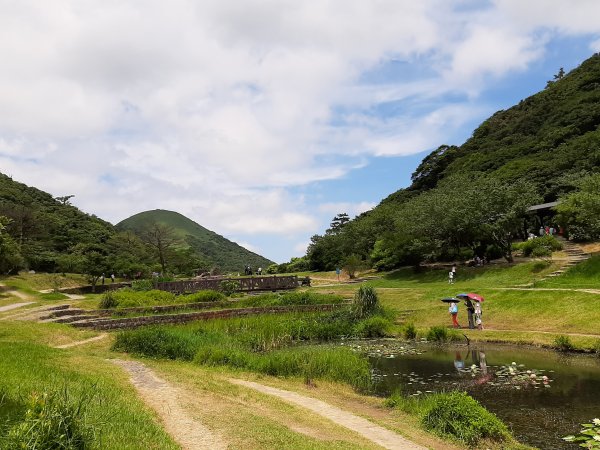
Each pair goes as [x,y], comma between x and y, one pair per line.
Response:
[262,120]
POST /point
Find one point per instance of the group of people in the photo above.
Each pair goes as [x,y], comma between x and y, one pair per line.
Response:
[248,270]
[474,314]
[103,278]
[546,230]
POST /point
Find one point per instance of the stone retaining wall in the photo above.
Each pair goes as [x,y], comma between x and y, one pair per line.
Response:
[134,322]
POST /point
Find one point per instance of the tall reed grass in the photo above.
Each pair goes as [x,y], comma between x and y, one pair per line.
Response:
[264,344]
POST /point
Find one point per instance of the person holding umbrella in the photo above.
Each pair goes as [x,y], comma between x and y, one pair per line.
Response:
[453,310]
[469,299]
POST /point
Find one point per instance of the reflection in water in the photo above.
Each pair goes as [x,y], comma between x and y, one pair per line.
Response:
[539,394]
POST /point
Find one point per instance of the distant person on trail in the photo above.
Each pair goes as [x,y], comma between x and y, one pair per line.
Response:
[542,231]
[453,310]
[450,277]
[102,278]
[112,277]
[470,312]
[454,272]
[259,271]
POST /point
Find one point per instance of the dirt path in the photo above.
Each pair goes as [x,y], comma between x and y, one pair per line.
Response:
[167,401]
[86,341]
[14,292]
[14,306]
[587,291]
[375,433]
[543,332]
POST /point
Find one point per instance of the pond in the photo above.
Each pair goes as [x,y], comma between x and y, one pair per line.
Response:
[541,395]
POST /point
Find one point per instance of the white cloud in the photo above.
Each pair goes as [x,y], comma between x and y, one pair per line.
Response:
[216,108]
[252,248]
[300,248]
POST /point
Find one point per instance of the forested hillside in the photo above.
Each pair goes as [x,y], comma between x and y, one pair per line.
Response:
[45,229]
[192,237]
[49,234]
[472,199]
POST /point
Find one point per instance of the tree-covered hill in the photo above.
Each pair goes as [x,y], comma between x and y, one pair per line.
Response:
[206,244]
[44,228]
[536,150]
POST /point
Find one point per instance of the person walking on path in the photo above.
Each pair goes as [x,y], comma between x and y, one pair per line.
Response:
[470,312]
[453,310]
[450,277]
[478,316]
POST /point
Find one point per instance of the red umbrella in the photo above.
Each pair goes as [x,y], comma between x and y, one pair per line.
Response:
[476,297]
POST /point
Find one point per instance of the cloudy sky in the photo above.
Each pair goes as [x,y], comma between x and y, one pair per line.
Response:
[262,119]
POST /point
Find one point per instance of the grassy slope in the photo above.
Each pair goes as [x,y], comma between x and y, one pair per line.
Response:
[228,255]
[29,365]
[525,316]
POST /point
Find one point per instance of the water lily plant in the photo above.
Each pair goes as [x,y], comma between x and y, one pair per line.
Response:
[588,437]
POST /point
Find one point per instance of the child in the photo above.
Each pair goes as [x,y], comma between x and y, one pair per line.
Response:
[453,310]
[478,314]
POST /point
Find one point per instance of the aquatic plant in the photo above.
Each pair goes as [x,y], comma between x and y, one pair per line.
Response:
[589,435]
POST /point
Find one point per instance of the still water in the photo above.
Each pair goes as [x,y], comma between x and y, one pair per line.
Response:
[541,395]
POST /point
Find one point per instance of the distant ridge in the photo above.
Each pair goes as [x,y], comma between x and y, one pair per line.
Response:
[223,253]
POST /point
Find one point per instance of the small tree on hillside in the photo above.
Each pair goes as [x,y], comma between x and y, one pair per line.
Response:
[163,239]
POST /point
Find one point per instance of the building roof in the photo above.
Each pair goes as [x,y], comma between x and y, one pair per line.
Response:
[542,206]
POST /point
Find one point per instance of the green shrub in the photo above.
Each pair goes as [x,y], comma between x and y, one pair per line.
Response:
[108,300]
[53,420]
[161,342]
[228,287]
[563,343]
[142,285]
[372,327]
[410,331]
[365,303]
[540,252]
[205,296]
[542,246]
[461,417]
[127,298]
[442,335]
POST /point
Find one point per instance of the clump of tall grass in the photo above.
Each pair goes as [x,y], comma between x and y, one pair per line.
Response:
[161,342]
[108,300]
[365,303]
[334,364]
[52,420]
[458,415]
[142,285]
[410,331]
[442,335]
[563,343]
[205,296]
[263,344]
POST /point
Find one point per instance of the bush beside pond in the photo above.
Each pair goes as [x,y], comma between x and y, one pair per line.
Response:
[458,415]
[454,415]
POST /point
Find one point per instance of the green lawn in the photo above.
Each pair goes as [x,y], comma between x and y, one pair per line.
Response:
[29,365]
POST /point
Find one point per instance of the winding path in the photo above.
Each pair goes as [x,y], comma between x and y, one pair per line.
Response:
[166,400]
[375,433]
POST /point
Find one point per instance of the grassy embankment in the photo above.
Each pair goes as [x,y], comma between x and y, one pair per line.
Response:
[30,365]
[525,316]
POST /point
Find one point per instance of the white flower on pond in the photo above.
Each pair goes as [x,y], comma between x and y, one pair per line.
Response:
[597,437]
[596,421]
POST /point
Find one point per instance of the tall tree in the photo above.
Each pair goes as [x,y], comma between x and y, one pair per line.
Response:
[163,239]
